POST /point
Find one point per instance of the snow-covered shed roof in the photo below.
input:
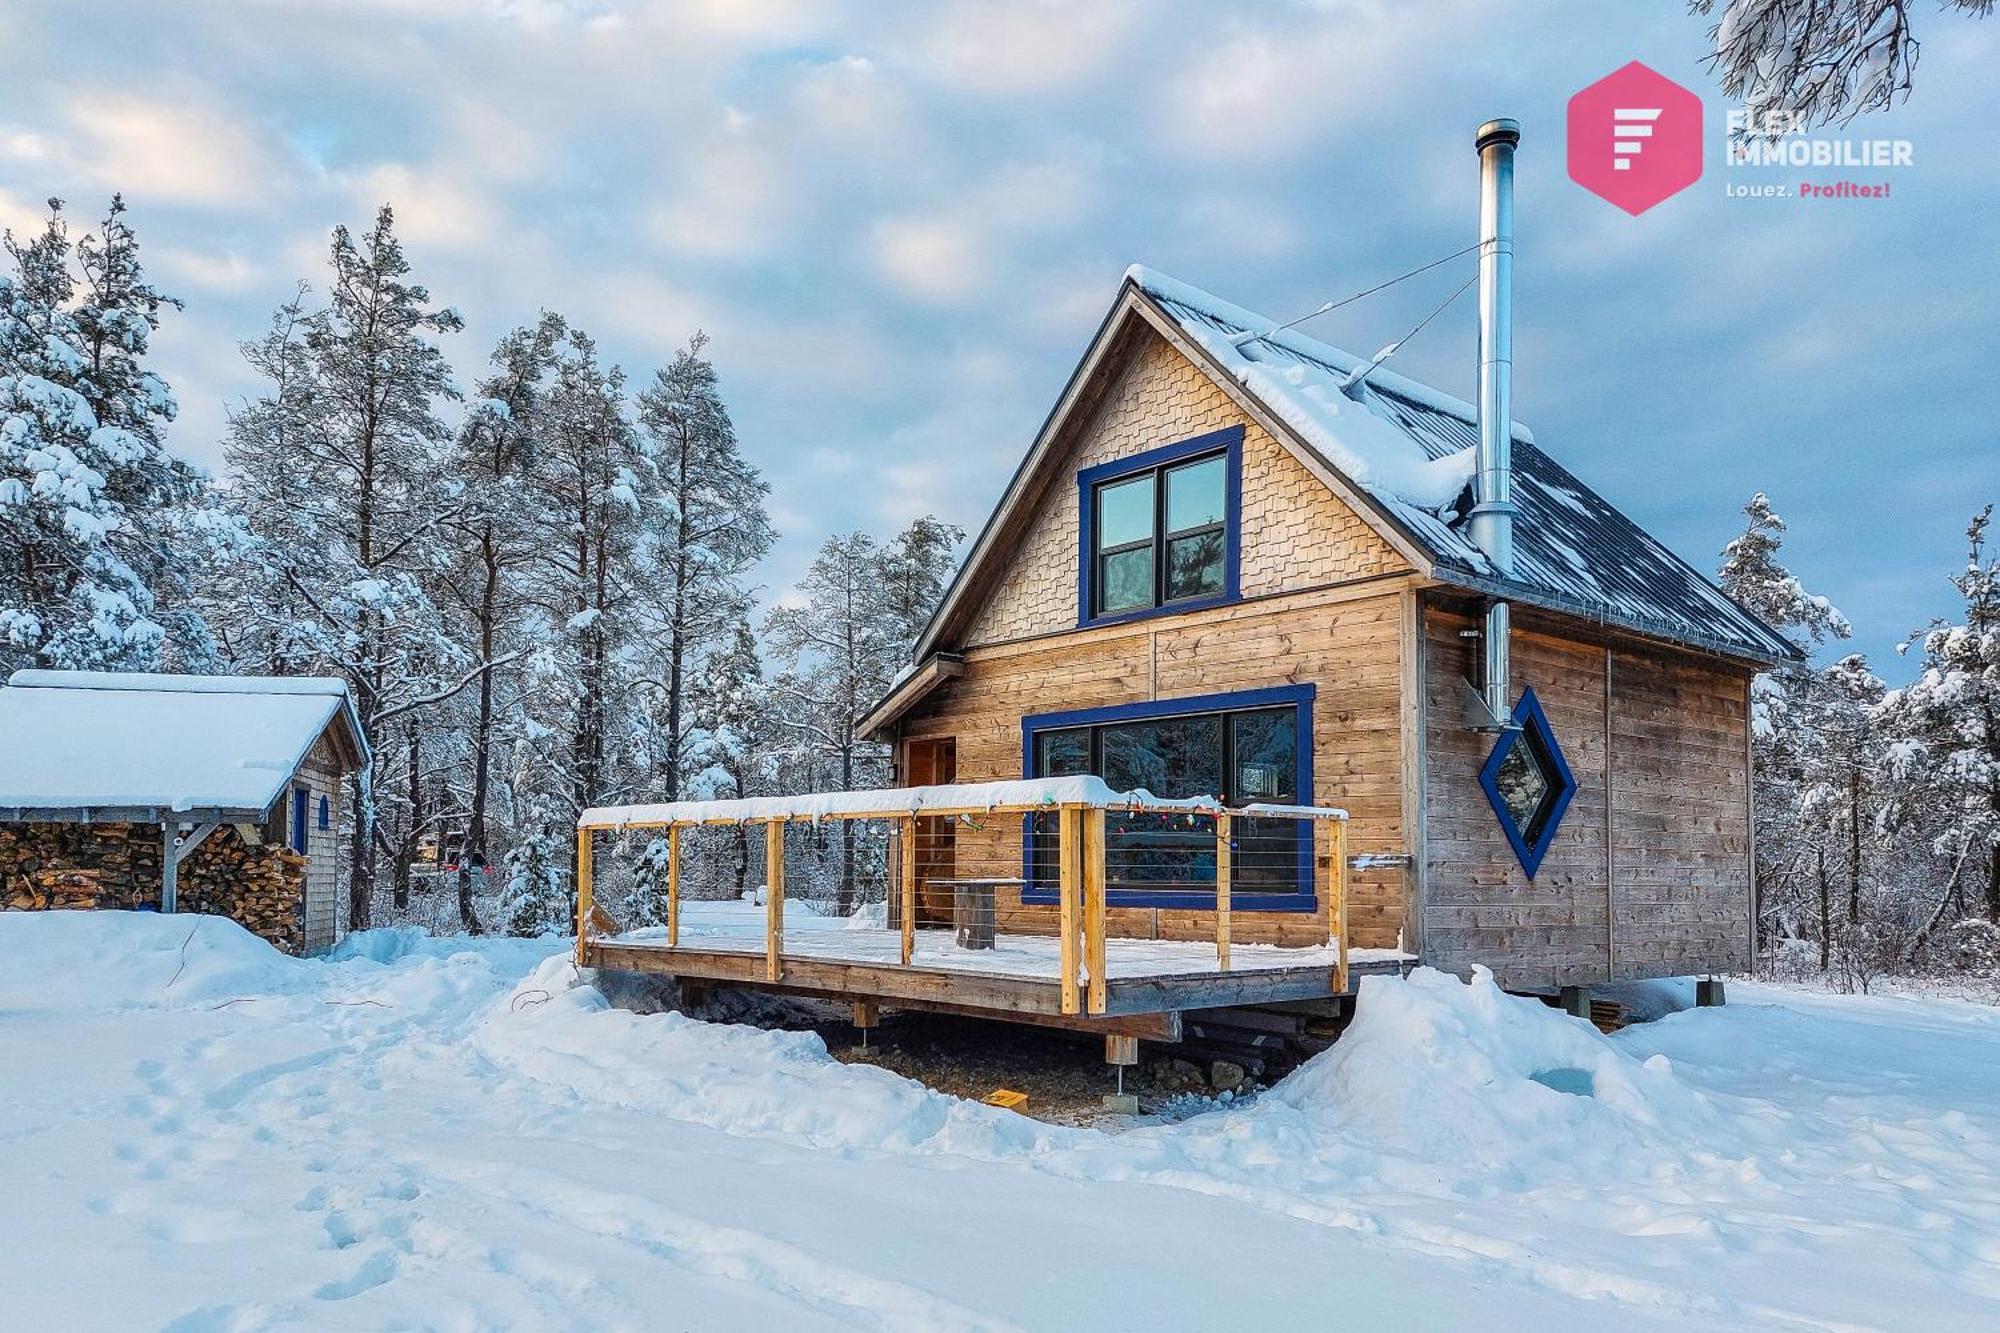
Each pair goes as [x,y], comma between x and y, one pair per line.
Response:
[107,745]
[1407,450]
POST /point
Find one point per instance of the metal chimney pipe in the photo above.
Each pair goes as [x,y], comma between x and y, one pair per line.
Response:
[1493,488]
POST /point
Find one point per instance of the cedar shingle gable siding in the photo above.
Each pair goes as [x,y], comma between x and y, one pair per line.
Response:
[1295,533]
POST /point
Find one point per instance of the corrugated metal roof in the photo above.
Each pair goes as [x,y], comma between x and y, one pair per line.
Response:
[1572,549]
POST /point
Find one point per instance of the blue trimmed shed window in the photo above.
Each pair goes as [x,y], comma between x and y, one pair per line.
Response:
[1250,746]
[1528,783]
[325,813]
[299,798]
[1159,531]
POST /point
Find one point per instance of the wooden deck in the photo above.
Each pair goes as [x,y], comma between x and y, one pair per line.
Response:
[1143,1004]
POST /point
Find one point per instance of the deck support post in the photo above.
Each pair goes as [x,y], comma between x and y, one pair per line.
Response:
[1119,1051]
[867,1016]
[774,899]
[673,887]
[1093,906]
[1336,907]
[1576,1002]
[1708,993]
[908,913]
[1069,876]
[1223,869]
[583,836]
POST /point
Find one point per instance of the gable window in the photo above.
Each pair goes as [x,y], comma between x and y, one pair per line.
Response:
[1528,783]
[1249,747]
[1160,529]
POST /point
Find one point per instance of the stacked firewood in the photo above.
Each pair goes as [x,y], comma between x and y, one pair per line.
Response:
[111,866]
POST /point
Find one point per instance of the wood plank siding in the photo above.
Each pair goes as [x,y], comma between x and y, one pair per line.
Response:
[1325,602]
[1649,872]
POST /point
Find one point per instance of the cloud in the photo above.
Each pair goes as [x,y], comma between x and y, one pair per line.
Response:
[1020,47]
[434,209]
[934,259]
[224,271]
[1269,91]
[728,201]
[171,150]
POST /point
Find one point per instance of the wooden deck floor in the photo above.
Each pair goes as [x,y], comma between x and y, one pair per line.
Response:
[1135,1002]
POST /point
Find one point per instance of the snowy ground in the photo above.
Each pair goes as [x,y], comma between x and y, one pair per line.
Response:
[425,1134]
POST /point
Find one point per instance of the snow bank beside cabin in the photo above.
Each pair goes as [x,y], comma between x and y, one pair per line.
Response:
[97,961]
[1462,1072]
[561,1032]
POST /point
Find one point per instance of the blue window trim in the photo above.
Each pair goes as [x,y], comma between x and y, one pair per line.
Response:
[1528,713]
[1299,696]
[1230,441]
[325,812]
[300,797]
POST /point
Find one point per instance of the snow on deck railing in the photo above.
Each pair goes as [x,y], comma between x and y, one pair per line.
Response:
[1022,794]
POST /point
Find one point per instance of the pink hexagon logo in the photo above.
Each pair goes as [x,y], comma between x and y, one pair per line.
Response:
[1635,138]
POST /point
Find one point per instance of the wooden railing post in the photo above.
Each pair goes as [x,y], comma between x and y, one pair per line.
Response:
[774,899]
[1222,877]
[673,887]
[1337,903]
[1069,875]
[1093,905]
[908,913]
[583,897]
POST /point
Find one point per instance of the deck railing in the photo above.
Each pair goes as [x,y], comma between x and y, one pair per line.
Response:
[1063,880]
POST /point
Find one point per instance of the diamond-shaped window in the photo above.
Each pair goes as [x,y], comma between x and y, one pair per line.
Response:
[1528,783]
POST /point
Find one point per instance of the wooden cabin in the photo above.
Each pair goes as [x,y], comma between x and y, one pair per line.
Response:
[1354,676]
[217,794]
[1209,534]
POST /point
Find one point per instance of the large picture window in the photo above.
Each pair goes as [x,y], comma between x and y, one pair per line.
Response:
[1245,748]
[1159,530]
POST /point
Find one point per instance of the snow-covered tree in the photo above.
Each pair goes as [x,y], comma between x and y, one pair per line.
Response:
[338,471]
[89,575]
[1817,60]
[1946,731]
[736,730]
[715,529]
[648,904]
[916,567]
[1789,705]
[497,537]
[595,488]
[535,900]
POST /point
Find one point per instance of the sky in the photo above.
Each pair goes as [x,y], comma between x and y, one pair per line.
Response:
[901,223]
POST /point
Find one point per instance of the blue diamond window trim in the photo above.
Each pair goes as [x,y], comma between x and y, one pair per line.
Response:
[1529,790]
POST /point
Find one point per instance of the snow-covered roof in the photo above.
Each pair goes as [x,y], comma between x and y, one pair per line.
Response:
[1082,790]
[96,742]
[1412,451]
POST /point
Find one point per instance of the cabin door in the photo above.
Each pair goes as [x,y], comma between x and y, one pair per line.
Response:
[929,764]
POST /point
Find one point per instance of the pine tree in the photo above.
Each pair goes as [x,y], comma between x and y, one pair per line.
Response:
[338,472]
[715,527]
[595,489]
[1789,705]
[534,901]
[916,568]
[497,537]
[735,723]
[649,884]
[89,575]
[1946,728]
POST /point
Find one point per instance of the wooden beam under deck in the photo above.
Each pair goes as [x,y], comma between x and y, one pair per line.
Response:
[1132,1004]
